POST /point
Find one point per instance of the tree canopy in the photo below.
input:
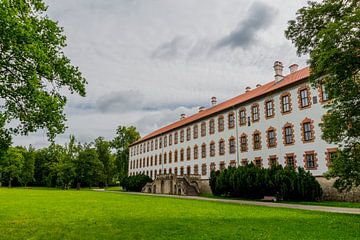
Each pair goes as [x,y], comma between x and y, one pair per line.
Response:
[329,31]
[35,74]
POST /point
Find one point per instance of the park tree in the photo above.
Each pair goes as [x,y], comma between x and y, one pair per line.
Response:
[27,171]
[103,149]
[11,164]
[329,32]
[35,74]
[124,137]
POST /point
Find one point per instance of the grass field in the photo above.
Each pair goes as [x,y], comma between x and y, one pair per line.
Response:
[57,214]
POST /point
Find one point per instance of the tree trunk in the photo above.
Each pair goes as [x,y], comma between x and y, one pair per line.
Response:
[78,186]
[10,182]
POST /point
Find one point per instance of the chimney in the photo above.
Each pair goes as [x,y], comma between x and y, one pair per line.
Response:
[293,67]
[278,67]
[213,101]
[201,109]
[247,89]
[182,116]
[258,85]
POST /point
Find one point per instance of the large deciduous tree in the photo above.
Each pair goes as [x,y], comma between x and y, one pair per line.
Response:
[34,72]
[103,149]
[329,31]
[124,137]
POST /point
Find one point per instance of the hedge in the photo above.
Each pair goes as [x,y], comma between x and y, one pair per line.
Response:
[134,183]
[253,182]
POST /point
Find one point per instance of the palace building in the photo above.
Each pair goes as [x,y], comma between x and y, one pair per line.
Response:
[275,123]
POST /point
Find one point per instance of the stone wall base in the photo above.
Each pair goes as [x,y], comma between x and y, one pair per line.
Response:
[331,194]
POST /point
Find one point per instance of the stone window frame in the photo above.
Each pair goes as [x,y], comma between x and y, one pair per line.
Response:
[144,161]
[170,139]
[222,165]
[306,153]
[212,149]
[160,158]
[203,150]
[288,124]
[151,161]
[188,153]
[203,169]
[244,135]
[256,132]
[232,163]
[176,155]
[258,159]
[244,162]
[152,145]
[221,147]
[165,141]
[170,157]
[196,169]
[308,90]
[242,109]
[212,166]
[147,161]
[182,172]
[266,108]
[195,131]
[188,133]
[165,158]
[182,135]
[182,157]
[155,160]
[328,153]
[176,137]
[196,152]
[147,146]
[188,170]
[288,94]
[271,128]
[232,145]
[211,126]
[160,142]
[293,155]
[175,171]
[231,120]
[170,171]
[321,94]
[271,157]
[203,129]
[255,105]
[311,122]
[221,123]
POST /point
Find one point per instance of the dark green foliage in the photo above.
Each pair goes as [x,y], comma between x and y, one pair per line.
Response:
[135,183]
[253,182]
[329,31]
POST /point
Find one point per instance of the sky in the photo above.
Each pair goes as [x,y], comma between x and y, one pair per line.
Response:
[148,61]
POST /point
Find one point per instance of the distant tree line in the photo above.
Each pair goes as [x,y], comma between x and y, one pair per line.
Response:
[250,181]
[99,163]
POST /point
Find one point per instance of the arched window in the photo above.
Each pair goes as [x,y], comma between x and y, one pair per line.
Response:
[243,143]
[232,147]
[175,155]
[212,149]
[221,147]
[231,120]
[203,150]
[188,153]
[211,126]
[256,140]
[196,152]
[221,123]
[182,155]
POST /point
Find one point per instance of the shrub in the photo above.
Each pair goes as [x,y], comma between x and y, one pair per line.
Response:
[253,182]
[135,183]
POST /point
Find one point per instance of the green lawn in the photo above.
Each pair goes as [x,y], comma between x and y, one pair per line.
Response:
[57,214]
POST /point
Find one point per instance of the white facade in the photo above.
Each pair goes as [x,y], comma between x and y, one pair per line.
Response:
[319,151]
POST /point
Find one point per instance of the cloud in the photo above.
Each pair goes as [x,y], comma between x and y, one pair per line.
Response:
[172,48]
[259,17]
[120,101]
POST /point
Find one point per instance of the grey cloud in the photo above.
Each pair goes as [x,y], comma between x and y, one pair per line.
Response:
[170,49]
[259,17]
[120,101]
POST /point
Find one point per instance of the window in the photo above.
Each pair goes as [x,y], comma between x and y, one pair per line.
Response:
[155,160]
[271,137]
[288,134]
[323,93]
[310,160]
[148,147]
[232,163]
[188,134]
[203,169]
[222,165]
[182,155]
[256,140]
[196,152]
[258,162]
[331,154]
[188,170]
[290,160]
[176,171]
[160,142]
[221,123]
[165,141]
[147,161]
[273,161]
[170,157]
[221,147]
[182,171]
[188,153]
[307,130]
[196,170]
[203,129]
[196,131]
[304,98]
[151,161]
[165,158]
[232,145]
[170,139]
[152,145]
[231,120]
[255,112]
[269,108]
[182,136]
[176,138]
[160,160]
[285,103]
[243,143]
[211,126]
[156,144]
[242,116]
[170,170]
[175,156]
[244,161]
[212,149]
[203,150]
[212,166]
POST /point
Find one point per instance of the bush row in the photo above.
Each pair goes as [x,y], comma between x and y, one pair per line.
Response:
[253,182]
[135,183]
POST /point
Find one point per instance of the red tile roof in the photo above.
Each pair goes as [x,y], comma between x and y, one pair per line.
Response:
[257,92]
